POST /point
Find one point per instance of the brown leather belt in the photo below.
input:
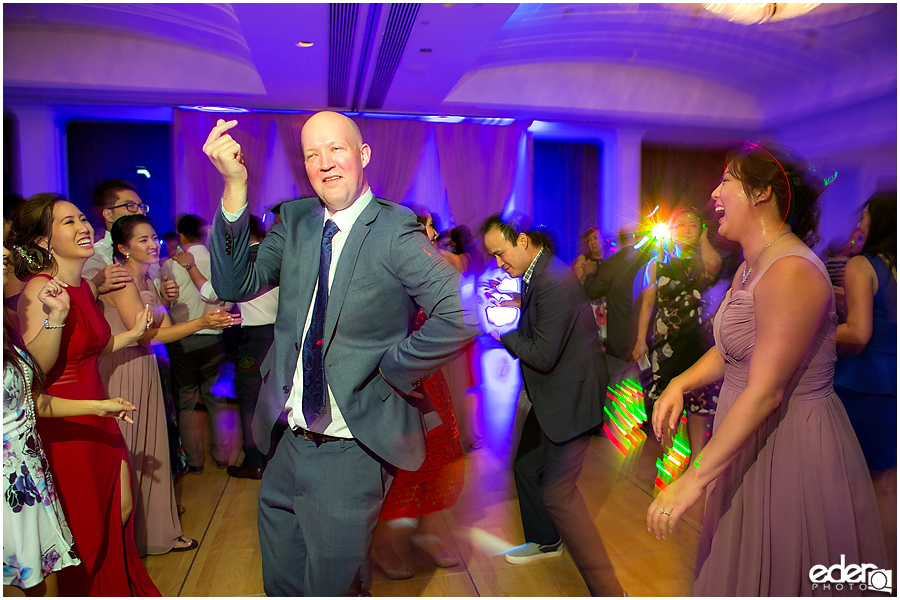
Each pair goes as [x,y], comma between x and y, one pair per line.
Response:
[312,436]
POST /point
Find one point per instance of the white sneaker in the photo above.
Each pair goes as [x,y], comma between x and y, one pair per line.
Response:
[530,551]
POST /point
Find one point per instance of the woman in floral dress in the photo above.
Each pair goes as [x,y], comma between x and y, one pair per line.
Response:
[679,335]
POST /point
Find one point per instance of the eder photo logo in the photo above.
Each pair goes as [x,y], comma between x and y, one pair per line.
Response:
[851,577]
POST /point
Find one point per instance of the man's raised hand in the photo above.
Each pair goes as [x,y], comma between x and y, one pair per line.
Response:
[225,153]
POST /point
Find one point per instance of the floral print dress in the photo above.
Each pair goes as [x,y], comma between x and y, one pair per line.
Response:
[36,538]
[680,334]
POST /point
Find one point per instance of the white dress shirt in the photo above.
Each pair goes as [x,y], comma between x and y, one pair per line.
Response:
[191,304]
[331,421]
[262,309]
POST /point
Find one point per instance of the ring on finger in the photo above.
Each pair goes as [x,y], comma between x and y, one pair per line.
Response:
[662,511]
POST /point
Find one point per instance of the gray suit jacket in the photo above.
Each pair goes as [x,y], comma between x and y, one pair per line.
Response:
[563,367]
[386,271]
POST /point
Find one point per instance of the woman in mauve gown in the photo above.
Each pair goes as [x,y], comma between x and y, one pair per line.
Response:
[786,483]
[134,372]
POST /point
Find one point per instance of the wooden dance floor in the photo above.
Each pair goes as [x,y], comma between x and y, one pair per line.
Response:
[221,514]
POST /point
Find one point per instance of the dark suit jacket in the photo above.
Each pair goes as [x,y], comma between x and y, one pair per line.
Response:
[563,366]
[386,271]
[614,279]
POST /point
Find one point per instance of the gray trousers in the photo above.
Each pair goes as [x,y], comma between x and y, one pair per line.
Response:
[318,506]
[552,506]
[194,364]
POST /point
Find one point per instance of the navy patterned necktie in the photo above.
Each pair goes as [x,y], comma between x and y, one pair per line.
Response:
[313,361]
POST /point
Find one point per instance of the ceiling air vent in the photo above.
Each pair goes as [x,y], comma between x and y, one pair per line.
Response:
[342,26]
[396,33]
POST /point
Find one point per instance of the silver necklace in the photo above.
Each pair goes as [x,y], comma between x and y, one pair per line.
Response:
[745,275]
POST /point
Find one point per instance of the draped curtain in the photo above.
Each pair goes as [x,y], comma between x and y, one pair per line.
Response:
[198,185]
[479,165]
[397,147]
[566,186]
[289,127]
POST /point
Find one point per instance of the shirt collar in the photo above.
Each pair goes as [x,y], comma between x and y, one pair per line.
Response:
[345,219]
[527,276]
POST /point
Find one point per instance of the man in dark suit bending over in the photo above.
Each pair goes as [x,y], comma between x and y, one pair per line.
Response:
[564,376]
[353,271]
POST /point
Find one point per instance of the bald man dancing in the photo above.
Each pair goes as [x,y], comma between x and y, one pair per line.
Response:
[353,271]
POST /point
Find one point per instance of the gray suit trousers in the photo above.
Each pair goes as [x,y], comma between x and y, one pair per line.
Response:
[318,506]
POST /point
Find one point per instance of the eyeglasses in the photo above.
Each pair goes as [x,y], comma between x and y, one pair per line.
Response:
[133,207]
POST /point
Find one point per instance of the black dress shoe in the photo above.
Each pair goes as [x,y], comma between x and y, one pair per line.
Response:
[245,472]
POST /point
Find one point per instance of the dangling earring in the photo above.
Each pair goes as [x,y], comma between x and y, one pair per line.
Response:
[127,256]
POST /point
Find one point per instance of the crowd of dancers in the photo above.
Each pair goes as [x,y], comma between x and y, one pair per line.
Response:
[353,372]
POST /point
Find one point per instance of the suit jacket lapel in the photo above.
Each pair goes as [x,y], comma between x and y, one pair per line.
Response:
[308,248]
[345,267]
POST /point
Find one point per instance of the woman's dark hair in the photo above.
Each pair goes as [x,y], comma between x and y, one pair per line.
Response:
[12,343]
[123,230]
[423,219]
[882,237]
[795,186]
[12,203]
[33,221]
[461,239]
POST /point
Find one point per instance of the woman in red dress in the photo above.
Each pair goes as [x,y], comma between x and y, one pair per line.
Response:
[87,454]
[423,494]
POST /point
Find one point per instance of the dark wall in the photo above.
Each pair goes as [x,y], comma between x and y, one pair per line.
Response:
[676,177]
[110,150]
[566,190]
[11,183]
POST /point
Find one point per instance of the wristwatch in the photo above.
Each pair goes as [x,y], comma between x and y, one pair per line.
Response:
[189,266]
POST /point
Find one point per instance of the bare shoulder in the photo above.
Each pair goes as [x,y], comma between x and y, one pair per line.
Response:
[34,285]
[860,265]
[793,280]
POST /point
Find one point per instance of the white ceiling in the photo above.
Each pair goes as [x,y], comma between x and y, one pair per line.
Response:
[656,65]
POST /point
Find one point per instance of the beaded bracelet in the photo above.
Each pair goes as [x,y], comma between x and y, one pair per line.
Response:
[47,325]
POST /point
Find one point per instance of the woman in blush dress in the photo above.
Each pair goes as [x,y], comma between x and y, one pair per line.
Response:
[134,373]
[87,454]
[866,373]
[787,488]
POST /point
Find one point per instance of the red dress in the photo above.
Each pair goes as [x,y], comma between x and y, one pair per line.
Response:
[85,454]
[439,481]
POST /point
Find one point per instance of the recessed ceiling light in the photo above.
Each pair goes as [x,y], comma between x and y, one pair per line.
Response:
[219,109]
[305,44]
[425,50]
